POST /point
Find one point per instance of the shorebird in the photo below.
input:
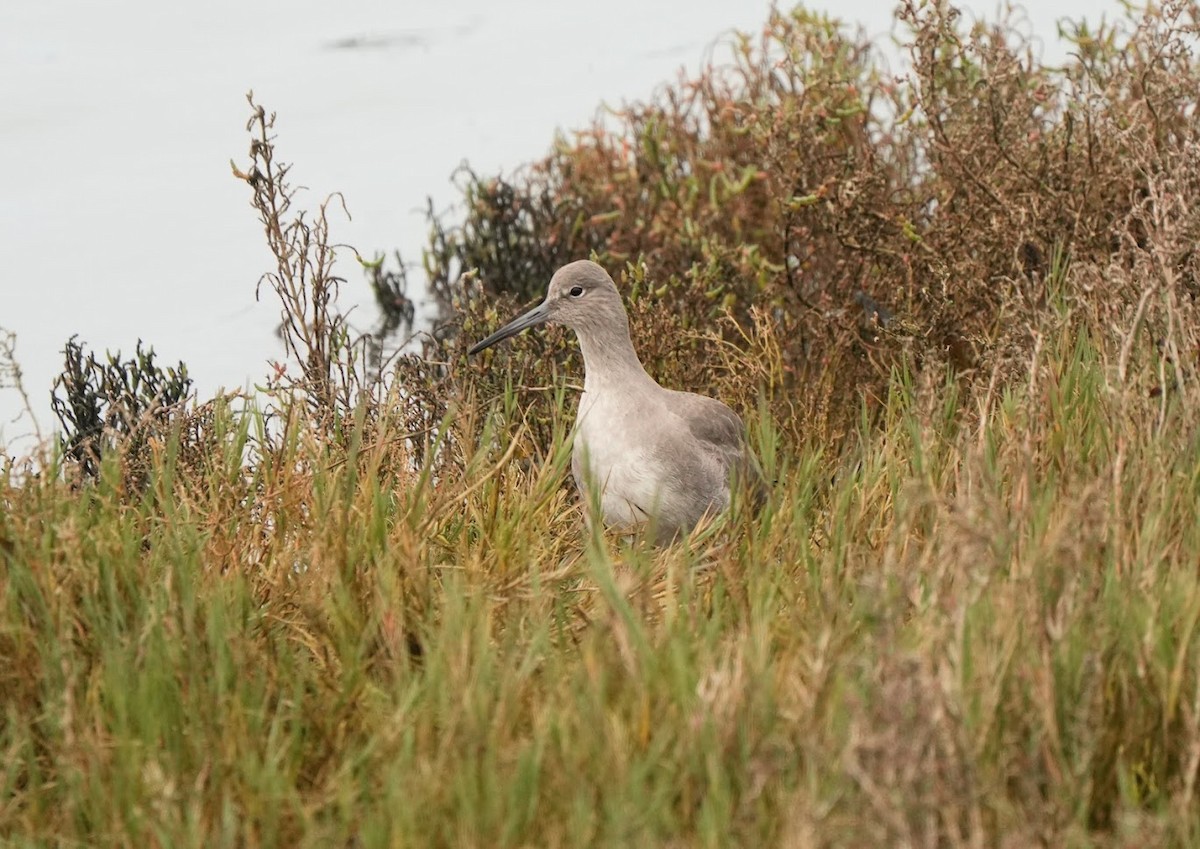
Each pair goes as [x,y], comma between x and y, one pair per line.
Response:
[659,458]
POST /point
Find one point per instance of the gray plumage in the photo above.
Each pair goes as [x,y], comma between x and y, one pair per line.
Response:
[655,455]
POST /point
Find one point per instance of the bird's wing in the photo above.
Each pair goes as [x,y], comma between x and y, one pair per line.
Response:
[714,424]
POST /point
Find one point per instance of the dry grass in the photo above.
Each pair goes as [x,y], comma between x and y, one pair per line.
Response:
[965,630]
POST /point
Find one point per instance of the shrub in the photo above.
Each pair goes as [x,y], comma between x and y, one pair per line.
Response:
[115,407]
[801,184]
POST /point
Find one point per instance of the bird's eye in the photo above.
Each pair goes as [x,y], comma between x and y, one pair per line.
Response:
[576,291]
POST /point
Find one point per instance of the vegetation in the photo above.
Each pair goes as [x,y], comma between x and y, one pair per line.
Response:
[958,310]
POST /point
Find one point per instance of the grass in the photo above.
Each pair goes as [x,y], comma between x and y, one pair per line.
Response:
[967,629]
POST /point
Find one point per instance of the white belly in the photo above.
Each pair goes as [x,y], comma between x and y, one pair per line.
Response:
[609,456]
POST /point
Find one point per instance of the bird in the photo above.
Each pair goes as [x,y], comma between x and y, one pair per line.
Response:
[661,459]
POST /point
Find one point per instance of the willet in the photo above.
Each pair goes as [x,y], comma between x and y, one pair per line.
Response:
[657,456]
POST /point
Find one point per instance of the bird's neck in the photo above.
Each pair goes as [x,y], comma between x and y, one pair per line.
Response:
[609,358]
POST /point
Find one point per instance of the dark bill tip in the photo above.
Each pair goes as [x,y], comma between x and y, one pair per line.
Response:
[535,316]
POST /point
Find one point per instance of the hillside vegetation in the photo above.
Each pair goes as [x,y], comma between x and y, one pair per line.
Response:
[957,309]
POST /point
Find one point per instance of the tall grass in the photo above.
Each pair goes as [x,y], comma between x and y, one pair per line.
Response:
[965,630]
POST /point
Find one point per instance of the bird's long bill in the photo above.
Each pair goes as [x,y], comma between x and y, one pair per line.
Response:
[537,315]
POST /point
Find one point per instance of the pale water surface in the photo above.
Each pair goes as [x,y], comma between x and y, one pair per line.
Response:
[119,218]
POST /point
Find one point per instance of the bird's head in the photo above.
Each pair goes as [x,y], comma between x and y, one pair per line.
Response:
[581,296]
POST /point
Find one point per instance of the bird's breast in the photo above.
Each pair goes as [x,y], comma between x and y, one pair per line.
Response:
[610,455]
